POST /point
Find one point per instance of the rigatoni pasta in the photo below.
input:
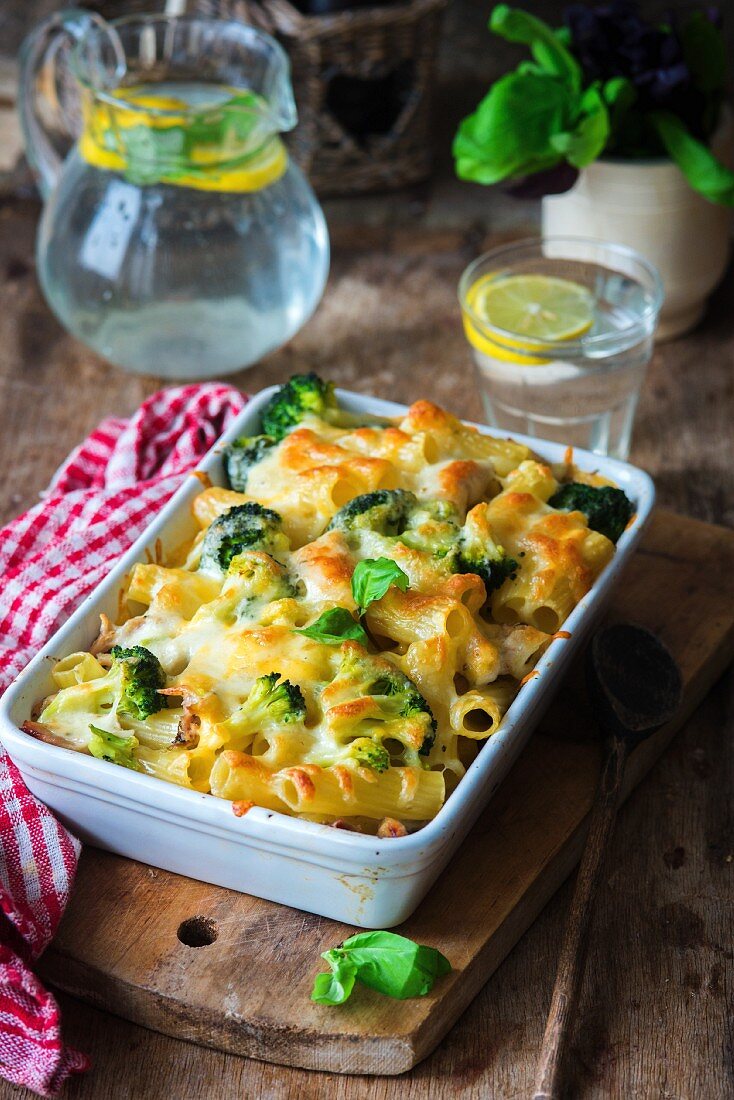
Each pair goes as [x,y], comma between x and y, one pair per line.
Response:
[257,668]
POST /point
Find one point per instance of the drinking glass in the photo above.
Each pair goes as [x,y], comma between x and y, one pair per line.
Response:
[581,391]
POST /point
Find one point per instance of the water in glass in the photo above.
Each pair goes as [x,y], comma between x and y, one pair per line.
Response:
[582,392]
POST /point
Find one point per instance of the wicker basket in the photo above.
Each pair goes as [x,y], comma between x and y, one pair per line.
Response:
[115,9]
[362,81]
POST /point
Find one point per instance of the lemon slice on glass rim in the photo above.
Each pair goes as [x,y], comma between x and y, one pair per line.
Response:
[527,309]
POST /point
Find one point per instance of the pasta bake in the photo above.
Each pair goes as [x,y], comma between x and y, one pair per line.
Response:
[358,609]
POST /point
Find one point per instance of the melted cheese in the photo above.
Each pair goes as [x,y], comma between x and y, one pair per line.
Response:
[466,654]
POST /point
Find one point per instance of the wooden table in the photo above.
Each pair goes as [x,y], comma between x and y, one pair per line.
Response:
[658,1003]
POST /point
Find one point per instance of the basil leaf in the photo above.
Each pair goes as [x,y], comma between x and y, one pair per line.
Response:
[395,965]
[619,94]
[696,161]
[510,132]
[371,579]
[546,47]
[582,145]
[384,961]
[334,626]
[334,987]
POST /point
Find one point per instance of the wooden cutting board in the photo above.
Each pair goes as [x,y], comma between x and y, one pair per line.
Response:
[246,987]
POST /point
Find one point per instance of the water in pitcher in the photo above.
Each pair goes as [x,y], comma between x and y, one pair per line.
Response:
[173,257]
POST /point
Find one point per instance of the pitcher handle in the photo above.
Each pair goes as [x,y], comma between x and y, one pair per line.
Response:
[37,98]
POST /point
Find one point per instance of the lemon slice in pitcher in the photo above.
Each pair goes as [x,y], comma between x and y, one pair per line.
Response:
[539,307]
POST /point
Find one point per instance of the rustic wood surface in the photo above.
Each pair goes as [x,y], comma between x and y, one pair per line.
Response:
[657,1009]
[659,1023]
[515,858]
[617,655]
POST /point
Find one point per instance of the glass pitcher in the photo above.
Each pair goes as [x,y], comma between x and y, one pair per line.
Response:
[177,238]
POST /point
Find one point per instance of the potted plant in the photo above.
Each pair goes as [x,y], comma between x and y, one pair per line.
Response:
[621,124]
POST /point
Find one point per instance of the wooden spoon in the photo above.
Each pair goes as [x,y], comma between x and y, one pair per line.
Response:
[635,687]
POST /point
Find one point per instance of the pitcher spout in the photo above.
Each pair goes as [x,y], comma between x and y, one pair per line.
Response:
[280,99]
[265,70]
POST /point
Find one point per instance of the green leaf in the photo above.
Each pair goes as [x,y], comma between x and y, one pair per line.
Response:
[335,626]
[236,118]
[587,140]
[384,961]
[619,94]
[619,91]
[371,579]
[109,746]
[546,47]
[704,51]
[698,164]
[395,965]
[152,153]
[510,132]
[334,987]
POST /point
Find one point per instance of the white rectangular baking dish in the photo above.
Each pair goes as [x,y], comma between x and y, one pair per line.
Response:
[357,879]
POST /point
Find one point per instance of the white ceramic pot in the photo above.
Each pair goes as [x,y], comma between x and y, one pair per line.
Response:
[649,206]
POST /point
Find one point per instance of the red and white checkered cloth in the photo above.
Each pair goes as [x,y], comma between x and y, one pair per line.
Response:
[101,499]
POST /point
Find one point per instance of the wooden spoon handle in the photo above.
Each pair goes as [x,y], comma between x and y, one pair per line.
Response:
[572,958]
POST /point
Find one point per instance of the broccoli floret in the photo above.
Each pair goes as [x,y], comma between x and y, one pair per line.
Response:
[272,702]
[384,511]
[486,559]
[411,704]
[433,527]
[110,746]
[434,511]
[430,526]
[401,713]
[253,581]
[259,576]
[245,527]
[607,510]
[477,552]
[269,704]
[241,455]
[125,695]
[141,677]
[302,395]
[369,754]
